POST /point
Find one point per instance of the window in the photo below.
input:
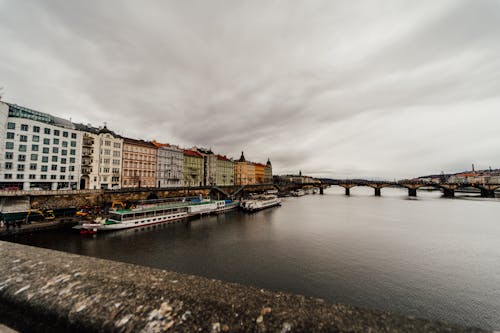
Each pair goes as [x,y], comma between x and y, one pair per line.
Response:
[65,134]
[21,158]
[72,152]
[10,135]
[46,141]
[55,150]
[63,161]
[36,138]
[24,127]
[34,157]
[36,129]
[45,159]
[9,145]
[65,143]
[46,130]
[53,176]
[63,169]
[23,138]
[8,165]
[32,176]
[22,147]
[43,176]
[11,126]
[73,143]
[71,168]
[9,156]
[71,160]
[64,152]
[32,166]
[107,143]
[20,167]
[45,150]
[34,147]
[62,177]
[8,176]
[56,141]
[54,158]
[56,132]
[73,135]
[53,167]
[20,176]
[44,168]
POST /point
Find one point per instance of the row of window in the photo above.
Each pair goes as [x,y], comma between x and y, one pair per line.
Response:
[34,157]
[36,138]
[45,150]
[33,166]
[31,176]
[36,129]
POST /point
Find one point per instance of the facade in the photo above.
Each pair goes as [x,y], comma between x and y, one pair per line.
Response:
[101,158]
[39,151]
[193,168]
[170,165]
[209,166]
[244,172]
[225,171]
[259,173]
[139,163]
[268,172]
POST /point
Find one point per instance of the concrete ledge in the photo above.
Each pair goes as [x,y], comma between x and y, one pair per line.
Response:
[51,291]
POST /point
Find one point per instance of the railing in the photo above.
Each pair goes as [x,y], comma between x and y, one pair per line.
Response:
[9,193]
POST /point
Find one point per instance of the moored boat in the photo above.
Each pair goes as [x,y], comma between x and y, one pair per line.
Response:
[260,202]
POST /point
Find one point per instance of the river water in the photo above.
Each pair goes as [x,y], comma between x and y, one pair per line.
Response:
[428,256]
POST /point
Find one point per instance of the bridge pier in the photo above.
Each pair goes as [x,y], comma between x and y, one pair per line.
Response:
[377,192]
[448,193]
[347,191]
[321,190]
[412,192]
[485,193]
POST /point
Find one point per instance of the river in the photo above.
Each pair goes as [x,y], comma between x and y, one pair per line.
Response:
[428,256]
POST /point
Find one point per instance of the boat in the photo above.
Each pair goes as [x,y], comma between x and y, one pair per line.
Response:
[259,202]
[137,217]
[298,193]
[226,205]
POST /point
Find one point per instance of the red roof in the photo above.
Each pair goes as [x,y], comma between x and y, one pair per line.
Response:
[192,153]
[159,144]
[223,158]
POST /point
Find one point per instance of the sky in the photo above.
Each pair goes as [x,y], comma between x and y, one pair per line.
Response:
[376,89]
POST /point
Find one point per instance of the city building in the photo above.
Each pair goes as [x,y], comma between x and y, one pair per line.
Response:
[139,163]
[170,165]
[193,168]
[244,171]
[101,158]
[209,165]
[259,173]
[225,171]
[268,172]
[39,151]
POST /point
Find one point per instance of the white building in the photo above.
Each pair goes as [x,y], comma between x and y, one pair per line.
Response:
[170,162]
[38,150]
[101,158]
[209,166]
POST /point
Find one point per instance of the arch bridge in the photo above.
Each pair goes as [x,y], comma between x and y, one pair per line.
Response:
[487,190]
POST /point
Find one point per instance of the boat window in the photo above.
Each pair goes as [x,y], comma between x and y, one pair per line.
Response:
[116,217]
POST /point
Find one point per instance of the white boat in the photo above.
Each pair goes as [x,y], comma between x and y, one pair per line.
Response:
[137,217]
[225,205]
[260,202]
[298,193]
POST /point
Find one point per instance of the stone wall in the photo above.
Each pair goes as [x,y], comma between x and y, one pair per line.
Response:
[49,291]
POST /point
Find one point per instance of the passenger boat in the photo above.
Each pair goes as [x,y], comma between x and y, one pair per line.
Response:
[260,202]
[298,193]
[225,205]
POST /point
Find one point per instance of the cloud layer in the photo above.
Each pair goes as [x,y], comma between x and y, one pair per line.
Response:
[386,89]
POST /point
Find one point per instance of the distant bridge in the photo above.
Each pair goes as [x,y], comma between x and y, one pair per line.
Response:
[487,189]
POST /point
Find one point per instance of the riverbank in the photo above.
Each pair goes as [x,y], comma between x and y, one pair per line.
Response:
[61,223]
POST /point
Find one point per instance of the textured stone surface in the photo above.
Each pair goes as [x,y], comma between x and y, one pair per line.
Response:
[46,290]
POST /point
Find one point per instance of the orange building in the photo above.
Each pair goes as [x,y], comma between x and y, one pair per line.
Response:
[259,173]
[244,172]
[138,163]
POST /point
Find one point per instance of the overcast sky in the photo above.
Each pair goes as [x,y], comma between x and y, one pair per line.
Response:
[333,88]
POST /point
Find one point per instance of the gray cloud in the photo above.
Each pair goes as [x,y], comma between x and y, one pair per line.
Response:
[385,89]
